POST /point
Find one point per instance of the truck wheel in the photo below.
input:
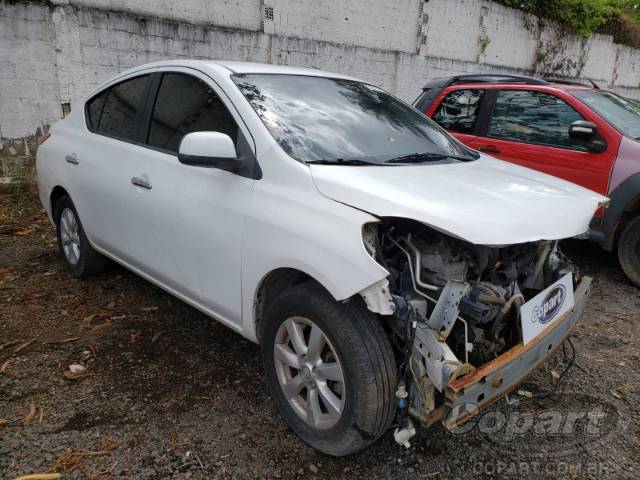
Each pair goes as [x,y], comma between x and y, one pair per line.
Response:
[79,257]
[331,369]
[629,250]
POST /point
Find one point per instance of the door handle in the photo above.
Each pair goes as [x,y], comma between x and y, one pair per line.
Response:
[489,149]
[72,159]
[141,182]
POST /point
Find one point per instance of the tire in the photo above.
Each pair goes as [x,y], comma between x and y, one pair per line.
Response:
[629,250]
[354,340]
[78,256]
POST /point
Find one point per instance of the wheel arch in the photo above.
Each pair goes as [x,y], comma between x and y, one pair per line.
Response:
[56,194]
[270,286]
[625,205]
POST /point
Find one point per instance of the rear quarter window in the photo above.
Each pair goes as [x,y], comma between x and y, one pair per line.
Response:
[94,110]
[114,111]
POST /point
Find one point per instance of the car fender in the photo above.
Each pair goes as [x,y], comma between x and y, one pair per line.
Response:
[298,228]
[624,199]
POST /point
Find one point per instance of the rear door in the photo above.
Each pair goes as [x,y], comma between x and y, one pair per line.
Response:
[531,128]
[100,162]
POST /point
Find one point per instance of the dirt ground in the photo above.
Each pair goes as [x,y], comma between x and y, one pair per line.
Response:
[168,393]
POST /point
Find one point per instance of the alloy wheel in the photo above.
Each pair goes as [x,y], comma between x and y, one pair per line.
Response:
[70,236]
[309,372]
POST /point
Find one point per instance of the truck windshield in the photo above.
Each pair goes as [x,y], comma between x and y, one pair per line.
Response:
[623,114]
[329,120]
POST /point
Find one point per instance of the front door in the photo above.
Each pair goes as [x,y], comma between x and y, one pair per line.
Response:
[532,129]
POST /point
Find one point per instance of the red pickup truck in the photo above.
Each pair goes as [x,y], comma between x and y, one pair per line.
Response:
[567,129]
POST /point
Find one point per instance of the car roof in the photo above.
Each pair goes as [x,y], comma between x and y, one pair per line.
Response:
[506,80]
[554,85]
[241,68]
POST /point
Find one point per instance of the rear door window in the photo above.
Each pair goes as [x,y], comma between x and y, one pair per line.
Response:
[186,104]
[121,106]
[458,112]
[533,117]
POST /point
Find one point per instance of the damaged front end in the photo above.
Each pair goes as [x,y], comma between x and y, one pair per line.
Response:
[454,310]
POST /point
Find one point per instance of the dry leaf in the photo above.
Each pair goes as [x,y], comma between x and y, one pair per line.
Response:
[29,415]
[23,232]
[77,369]
[3,423]
[156,337]
[23,346]
[525,393]
[615,393]
[73,376]
[64,340]
[9,344]
[554,374]
[136,336]
[4,366]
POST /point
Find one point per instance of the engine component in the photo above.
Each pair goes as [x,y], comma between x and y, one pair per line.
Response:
[402,436]
[440,264]
[483,302]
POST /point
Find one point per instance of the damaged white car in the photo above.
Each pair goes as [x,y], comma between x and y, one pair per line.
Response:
[387,271]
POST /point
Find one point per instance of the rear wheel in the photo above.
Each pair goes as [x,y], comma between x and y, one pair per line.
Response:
[331,369]
[79,257]
[629,250]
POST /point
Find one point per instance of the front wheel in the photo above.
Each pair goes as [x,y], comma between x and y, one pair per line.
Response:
[629,250]
[331,369]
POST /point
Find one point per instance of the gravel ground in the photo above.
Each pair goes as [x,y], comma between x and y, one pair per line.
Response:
[168,393]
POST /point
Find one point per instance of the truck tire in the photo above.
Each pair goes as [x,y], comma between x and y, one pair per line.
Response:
[331,369]
[79,257]
[629,250]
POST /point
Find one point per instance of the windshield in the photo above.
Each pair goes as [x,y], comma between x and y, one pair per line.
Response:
[623,114]
[328,120]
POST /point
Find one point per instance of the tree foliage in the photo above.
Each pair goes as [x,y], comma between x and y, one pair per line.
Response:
[620,18]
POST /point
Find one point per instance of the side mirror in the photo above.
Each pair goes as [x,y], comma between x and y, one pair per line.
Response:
[208,149]
[583,130]
[588,131]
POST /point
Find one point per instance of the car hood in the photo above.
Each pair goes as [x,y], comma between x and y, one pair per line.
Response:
[486,201]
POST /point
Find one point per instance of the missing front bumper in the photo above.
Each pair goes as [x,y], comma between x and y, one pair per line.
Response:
[468,395]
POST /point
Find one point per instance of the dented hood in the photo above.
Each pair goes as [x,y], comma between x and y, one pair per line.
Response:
[486,201]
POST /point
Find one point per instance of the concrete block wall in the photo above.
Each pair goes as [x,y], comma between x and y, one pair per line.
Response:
[53,53]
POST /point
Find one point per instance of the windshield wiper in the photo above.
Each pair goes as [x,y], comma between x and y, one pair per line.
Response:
[340,161]
[428,157]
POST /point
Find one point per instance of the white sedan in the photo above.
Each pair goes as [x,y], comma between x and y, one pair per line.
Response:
[383,266]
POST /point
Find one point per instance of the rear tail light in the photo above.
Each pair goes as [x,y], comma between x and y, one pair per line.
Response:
[43,138]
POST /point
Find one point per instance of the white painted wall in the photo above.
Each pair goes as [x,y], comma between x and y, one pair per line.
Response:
[54,54]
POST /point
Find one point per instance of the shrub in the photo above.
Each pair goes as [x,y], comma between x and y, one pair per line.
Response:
[620,18]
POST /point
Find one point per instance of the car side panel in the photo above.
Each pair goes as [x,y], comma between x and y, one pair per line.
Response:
[292,225]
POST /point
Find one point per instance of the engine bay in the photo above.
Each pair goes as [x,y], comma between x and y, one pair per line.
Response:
[456,306]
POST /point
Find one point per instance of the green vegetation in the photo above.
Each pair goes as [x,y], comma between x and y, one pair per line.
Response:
[620,18]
